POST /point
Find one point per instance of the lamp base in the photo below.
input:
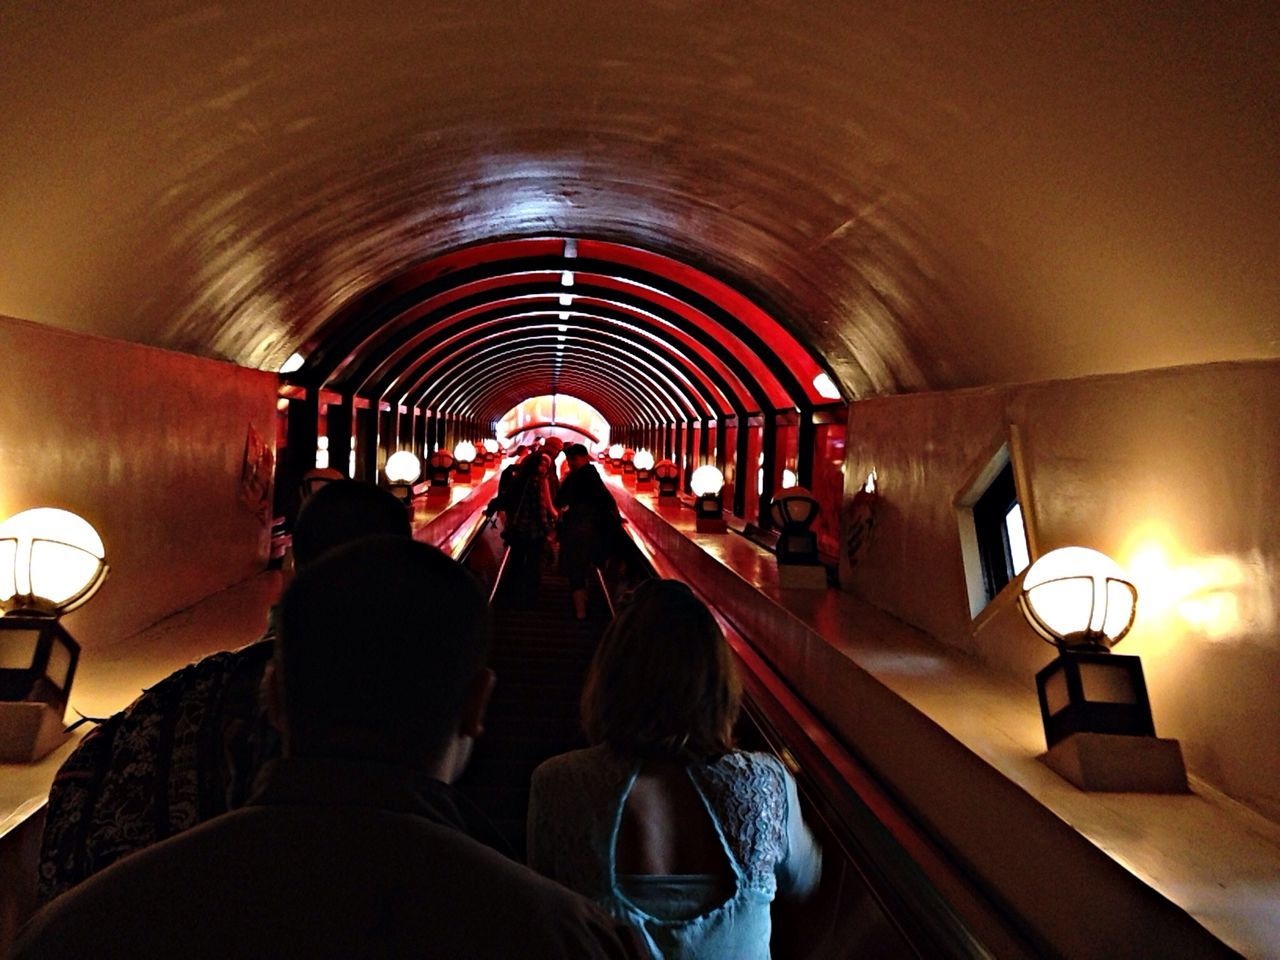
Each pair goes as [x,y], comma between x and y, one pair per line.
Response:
[28,730]
[1116,763]
[438,492]
[802,576]
[711,525]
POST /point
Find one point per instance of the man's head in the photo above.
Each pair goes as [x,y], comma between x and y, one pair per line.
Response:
[343,511]
[577,455]
[381,656]
[552,447]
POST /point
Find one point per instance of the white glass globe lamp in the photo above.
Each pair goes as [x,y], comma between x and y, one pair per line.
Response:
[1076,597]
[707,481]
[464,452]
[615,451]
[643,460]
[491,446]
[403,466]
[51,561]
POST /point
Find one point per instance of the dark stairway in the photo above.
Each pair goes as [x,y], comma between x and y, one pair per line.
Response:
[540,655]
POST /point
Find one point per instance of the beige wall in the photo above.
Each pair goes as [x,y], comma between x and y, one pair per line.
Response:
[145,444]
[1174,473]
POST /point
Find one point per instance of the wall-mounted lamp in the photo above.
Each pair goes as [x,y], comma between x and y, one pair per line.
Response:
[439,466]
[668,476]
[1093,703]
[403,468]
[51,561]
[615,456]
[793,512]
[707,482]
[313,480]
[643,463]
[464,454]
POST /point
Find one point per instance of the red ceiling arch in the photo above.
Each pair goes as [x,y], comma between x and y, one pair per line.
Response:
[472,332]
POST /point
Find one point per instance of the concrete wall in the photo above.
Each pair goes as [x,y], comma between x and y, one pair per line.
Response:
[1173,473]
[145,444]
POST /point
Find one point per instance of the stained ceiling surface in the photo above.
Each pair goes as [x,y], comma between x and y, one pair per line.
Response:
[921,196]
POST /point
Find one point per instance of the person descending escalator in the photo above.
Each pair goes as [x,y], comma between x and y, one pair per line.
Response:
[589,524]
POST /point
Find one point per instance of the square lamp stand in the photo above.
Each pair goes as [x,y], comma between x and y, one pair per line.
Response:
[1098,726]
[37,664]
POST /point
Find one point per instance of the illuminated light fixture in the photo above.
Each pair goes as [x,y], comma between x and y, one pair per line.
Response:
[615,451]
[491,446]
[826,387]
[793,512]
[668,474]
[789,479]
[643,463]
[295,362]
[322,453]
[403,466]
[560,337]
[570,249]
[282,404]
[1093,703]
[707,482]
[562,328]
[51,562]
[566,299]
[566,278]
[464,454]
[402,470]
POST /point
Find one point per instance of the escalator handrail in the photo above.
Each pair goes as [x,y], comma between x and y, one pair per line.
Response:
[904,868]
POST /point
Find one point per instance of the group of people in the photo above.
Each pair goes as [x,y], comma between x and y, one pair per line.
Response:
[538,508]
[350,720]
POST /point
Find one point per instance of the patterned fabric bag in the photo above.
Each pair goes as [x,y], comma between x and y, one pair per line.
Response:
[186,750]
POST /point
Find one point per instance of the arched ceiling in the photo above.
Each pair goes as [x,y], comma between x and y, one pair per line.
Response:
[644,337]
[927,195]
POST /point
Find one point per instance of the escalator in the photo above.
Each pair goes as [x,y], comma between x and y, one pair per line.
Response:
[887,891]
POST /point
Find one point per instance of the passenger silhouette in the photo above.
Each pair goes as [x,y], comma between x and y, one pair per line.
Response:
[662,821]
[530,520]
[352,844]
[188,748]
[589,523]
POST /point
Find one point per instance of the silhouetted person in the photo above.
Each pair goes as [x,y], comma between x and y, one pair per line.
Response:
[531,517]
[588,526]
[188,748]
[351,845]
[663,822]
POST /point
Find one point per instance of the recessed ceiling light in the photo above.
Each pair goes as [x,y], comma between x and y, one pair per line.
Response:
[826,387]
[566,278]
[295,362]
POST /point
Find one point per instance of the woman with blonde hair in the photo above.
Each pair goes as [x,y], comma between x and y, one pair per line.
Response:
[662,821]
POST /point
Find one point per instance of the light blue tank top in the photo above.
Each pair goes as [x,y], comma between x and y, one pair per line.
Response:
[575,813]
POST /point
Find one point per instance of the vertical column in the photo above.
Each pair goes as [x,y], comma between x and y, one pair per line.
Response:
[806,437]
[405,432]
[704,441]
[300,450]
[690,463]
[421,423]
[338,427]
[743,472]
[769,447]
[367,442]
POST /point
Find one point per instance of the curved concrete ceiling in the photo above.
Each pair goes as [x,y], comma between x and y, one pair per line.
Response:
[929,195]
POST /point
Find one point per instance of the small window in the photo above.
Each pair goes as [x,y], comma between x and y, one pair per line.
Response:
[1002,538]
[993,535]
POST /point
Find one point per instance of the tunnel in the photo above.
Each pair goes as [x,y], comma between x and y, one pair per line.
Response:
[936,265]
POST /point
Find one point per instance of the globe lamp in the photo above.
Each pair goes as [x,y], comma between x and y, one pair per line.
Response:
[464,454]
[668,476]
[439,465]
[1093,703]
[51,562]
[402,470]
[707,482]
[793,512]
[643,463]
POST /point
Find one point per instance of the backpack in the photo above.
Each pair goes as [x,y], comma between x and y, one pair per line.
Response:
[184,751]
